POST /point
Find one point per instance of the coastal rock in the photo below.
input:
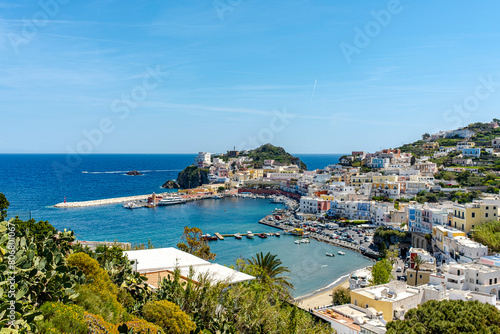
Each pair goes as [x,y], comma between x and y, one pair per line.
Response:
[171,185]
[134,173]
[192,177]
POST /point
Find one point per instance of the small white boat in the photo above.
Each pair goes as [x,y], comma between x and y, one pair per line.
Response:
[250,235]
[324,266]
[304,241]
[237,236]
[277,234]
[330,254]
[341,253]
[297,242]
[130,205]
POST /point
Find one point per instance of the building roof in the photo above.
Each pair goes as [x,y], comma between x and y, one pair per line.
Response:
[158,259]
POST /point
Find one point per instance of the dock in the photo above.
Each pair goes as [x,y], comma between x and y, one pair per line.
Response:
[218,235]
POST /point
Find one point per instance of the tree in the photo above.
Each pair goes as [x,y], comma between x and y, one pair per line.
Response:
[392,254]
[221,189]
[381,272]
[425,136]
[341,296]
[488,234]
[417,263]
[382,249]
[268,268]
[448,316]
[4,205]
[194,244]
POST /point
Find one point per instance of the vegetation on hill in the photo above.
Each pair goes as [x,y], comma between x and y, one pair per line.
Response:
[448,316]
[488,234]
[276,153]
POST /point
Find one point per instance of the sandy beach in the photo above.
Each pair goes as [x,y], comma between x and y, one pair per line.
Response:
[323,297]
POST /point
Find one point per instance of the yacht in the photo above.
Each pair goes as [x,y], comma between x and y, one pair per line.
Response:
[250,235]
[171,200]
[277,234]
[237,236]
[341,253]
[330,254]
[297,242]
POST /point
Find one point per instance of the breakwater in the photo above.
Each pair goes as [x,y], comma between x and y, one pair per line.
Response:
[101,201]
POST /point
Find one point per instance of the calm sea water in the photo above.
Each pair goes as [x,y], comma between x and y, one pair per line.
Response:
[36,182]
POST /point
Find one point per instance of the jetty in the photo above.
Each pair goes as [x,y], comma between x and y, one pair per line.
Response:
[102,201]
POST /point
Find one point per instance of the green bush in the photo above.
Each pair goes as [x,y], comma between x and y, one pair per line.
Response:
[61,318]
[141,326]
[99,294]
[169,316]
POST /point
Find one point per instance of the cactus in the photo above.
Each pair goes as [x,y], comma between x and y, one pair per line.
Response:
[38,271]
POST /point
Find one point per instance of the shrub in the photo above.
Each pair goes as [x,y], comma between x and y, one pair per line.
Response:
[140,326]
[61,318]
[97,325]
[169,316]
[99,294]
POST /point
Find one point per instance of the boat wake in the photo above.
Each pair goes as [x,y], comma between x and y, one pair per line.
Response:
[125,171]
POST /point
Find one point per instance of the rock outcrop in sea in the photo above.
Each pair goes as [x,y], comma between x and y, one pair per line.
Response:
[192,177]
[134,173]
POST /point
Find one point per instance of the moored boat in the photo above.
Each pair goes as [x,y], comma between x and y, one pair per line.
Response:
[208,237]
[171,200]
[330,254]
[250,235]
[297,242]
[262,235]
[277,234]
[341,253]
[237,236]
[130,205]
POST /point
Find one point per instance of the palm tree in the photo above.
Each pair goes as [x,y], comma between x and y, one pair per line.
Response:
[417,262]
[268,268]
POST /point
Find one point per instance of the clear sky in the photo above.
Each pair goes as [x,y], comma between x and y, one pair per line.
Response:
[104,76]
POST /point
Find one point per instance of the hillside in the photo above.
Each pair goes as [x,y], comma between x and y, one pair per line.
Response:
[276,153]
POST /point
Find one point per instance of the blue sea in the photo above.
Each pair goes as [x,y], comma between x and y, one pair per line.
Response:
[34,183]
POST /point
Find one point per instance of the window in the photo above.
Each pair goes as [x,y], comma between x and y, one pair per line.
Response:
[486,215]
[487,208]
[366,306]
[474,214]
[355,302]
[411,275]
[491,281]
[419,276]
[477,281]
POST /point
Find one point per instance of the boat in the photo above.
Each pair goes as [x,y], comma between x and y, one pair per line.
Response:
[171,200]
[262,235]
[216,196]
[324,266]
[277,234]
[305,241]
[250,235]
[297,242]
[269,234]
[130,205]
[237,236]
[341,253]
[208,237]
[330,254]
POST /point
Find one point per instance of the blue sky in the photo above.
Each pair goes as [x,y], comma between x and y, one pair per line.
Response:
[187,76]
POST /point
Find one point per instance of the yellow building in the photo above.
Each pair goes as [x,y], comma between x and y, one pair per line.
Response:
[467,216]
[385,178]
[392,299]
[336,178]
[439,233]
[359,180]
[327,197]
[429,146]
[256,173]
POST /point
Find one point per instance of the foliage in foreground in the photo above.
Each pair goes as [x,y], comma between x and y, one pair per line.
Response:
[169,316]
[381,272]
[448,316]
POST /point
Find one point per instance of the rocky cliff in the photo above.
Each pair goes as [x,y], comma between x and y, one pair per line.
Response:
[192,177]
[170,185]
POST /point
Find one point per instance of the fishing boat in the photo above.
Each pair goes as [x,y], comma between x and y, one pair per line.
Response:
[250,235]
[208,237]
[171,200]
[237,236]
[341,253]
[262,235]
[330,254]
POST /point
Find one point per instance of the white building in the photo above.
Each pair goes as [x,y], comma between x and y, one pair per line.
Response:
[203,159]
[473,277]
